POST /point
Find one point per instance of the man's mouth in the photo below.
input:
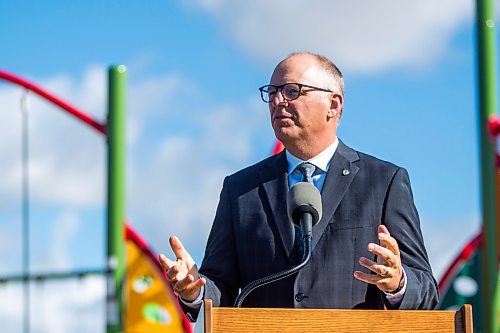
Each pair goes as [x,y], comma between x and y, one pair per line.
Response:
[282,116]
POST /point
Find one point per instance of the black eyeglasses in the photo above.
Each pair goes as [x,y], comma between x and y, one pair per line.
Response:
[289,91]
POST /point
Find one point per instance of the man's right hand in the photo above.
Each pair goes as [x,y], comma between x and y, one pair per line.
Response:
[182,274]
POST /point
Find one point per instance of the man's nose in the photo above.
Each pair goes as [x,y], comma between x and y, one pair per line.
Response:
[278,99]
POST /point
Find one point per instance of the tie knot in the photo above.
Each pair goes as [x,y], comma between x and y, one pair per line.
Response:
[307,170]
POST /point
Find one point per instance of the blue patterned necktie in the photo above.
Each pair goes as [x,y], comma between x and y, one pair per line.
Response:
[307,170]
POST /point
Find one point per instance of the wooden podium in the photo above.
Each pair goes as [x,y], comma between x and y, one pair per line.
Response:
[227,320]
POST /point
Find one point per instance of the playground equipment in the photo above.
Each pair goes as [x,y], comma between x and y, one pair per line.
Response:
[460,284]
[148,304]
[139,298]
[477,264]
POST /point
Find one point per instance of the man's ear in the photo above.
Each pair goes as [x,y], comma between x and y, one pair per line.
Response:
[336,104]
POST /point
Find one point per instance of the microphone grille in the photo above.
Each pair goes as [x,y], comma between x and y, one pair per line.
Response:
[302,198]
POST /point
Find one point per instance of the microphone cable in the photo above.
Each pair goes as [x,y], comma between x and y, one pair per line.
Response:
[280,275]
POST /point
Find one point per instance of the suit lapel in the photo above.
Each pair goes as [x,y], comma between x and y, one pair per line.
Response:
[275,183]
[338,178]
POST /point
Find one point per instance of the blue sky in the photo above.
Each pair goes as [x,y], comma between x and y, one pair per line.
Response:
[194,116]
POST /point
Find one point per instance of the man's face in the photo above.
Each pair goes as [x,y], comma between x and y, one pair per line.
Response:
[311,119]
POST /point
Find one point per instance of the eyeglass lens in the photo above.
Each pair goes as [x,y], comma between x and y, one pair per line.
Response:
[290,91]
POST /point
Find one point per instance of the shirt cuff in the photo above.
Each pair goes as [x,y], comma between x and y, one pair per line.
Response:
[396,298]
[196,304]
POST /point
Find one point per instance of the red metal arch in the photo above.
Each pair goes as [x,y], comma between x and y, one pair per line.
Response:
[467,252]
[85,118]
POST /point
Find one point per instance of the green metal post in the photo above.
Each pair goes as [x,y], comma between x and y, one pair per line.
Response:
[116,198]
[487,108]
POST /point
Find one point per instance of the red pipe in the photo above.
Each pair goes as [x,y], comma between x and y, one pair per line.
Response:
[101,128]
[278,147]
[494,125]
[467,252]
[494,129]
[134,237]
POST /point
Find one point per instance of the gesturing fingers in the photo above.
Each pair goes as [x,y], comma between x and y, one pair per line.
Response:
[383,229]
[182,274]
[387,268]
[189,287]
[369,278]
[381,270]
[385,278]
[195,287]
[384,255]
[389,242]
[181,285]
[188,283]
[175,270]
[165,262]
[179,250]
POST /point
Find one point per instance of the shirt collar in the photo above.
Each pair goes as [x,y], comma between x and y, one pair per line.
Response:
[321,161]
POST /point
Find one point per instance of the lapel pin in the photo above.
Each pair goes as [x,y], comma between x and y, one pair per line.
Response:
[345,172]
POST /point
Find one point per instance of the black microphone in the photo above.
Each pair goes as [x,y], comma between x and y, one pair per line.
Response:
[304,209]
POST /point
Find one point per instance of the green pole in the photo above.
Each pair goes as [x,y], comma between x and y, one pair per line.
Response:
[487,108]
[116,198]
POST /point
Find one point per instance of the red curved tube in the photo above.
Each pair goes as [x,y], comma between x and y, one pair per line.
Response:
[132,235]
[85,118]
[494,125]
[278,147]
[467,252]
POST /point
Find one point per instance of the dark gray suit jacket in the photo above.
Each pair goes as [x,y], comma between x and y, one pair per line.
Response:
[252,237]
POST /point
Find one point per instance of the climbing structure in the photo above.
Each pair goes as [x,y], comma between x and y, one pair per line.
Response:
[139,298]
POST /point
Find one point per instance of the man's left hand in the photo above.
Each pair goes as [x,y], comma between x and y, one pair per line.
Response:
[388,269]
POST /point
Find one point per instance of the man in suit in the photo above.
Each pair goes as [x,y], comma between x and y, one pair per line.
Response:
[368,250]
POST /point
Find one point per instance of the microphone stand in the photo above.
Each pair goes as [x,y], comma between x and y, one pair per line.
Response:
[306,226]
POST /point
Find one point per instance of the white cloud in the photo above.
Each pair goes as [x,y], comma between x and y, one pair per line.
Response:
[152,95]
[56,306]
[176,189]
[10,242]
[360,36]
[63,233]
[65,159]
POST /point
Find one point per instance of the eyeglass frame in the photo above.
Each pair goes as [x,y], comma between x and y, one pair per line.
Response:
[280,89]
